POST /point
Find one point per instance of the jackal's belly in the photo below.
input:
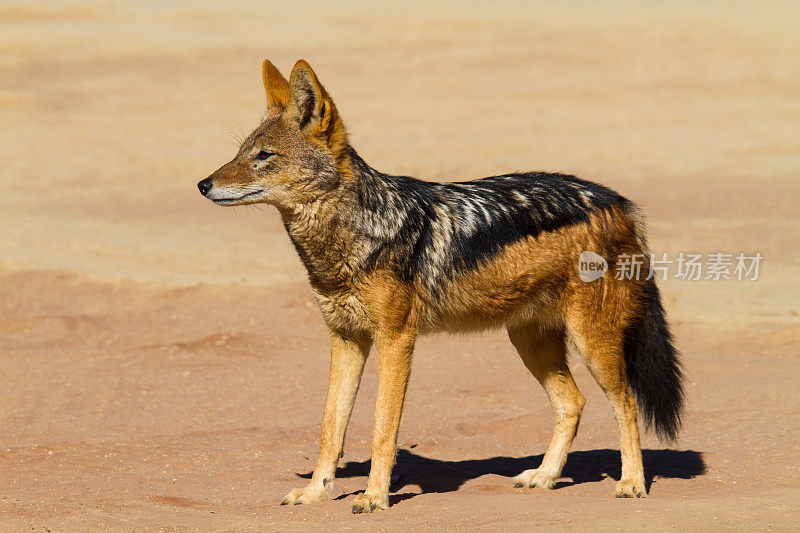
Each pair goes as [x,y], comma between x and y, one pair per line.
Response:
[522,283]
[462,310]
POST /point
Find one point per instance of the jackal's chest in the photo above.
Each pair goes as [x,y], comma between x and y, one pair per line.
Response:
[344,311]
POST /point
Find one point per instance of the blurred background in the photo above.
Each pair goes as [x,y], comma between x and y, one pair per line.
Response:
[163,361]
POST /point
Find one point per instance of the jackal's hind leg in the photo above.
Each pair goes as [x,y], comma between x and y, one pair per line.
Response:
[544,353]
[601,348]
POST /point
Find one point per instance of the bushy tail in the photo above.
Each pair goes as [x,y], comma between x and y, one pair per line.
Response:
[653,368]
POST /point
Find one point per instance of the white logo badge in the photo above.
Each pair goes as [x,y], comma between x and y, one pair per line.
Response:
[591,266]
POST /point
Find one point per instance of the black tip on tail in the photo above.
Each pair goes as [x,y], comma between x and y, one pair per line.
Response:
[653,368]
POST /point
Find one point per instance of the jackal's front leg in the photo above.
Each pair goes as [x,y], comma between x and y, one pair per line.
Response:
[395,353]
[347,364]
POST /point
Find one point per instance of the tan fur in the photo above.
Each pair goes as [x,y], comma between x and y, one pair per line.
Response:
[328,129]
[275,85]
[531,287]
[543,350]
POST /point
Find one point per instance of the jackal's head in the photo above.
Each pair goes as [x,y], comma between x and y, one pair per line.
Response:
[294,155]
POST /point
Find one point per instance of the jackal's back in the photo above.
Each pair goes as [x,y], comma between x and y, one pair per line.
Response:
[430,233]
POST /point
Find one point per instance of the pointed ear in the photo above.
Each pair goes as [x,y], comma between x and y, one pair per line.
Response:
[312,108]
[276,86]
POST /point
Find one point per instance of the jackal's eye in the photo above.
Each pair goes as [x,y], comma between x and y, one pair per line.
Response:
[263,155]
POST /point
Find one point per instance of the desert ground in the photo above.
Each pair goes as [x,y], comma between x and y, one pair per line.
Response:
[163,364]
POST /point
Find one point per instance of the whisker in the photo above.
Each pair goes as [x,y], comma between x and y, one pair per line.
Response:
[235,138]
[240,137]
[242,133]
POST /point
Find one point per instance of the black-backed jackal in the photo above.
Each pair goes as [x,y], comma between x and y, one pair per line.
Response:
[392,257]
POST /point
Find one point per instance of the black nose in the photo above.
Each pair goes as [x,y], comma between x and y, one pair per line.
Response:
[204,186]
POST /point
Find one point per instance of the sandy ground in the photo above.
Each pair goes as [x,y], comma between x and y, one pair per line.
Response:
[163,364]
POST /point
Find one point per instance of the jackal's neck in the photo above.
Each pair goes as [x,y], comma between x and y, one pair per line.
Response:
[329,233]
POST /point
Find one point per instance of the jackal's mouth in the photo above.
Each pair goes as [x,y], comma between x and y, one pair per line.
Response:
[236,200]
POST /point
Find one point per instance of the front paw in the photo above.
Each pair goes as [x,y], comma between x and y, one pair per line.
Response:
[310,494]
[366,503]
[535,478]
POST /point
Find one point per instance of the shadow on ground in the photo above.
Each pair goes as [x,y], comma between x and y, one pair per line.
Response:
[434,475]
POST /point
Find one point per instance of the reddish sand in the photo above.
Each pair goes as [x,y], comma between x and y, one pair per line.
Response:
[164,365]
